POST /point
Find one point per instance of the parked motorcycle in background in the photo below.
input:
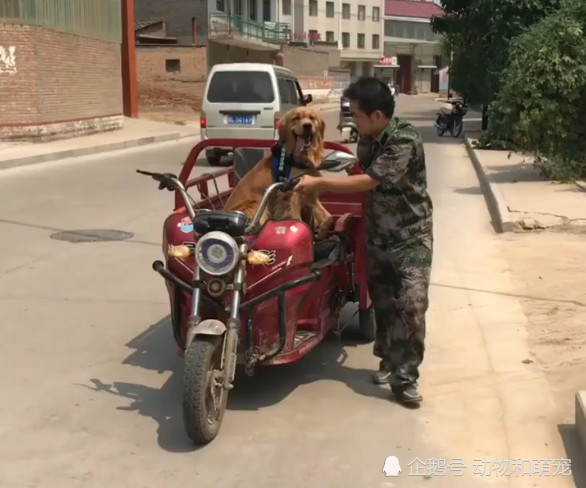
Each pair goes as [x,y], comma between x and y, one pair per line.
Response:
[346,124]
[450,118]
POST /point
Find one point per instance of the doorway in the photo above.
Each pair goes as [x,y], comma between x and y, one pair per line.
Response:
[266,10]
[404,73]
[437,60]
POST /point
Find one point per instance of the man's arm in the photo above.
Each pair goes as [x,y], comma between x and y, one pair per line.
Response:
[346,184]
[391,165]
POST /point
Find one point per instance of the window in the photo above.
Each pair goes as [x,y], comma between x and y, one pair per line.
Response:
[330,36]
[375,14]
[345,10]
[409,30]
[345,39]
[329,9]
[266,10]
[238,7]
[360,41]
[241,87]
[375,41]
[252,9]
[313,35]
[220,5]
[313,8]
[286,7]
[293,92]
[173,65]
[361,12]
[288,91]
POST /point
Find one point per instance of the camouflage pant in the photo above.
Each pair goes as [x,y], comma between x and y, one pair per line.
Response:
[398,282]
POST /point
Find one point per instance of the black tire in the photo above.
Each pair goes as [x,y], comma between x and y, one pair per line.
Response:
[440,130]
[367,323]
[214,157]
[456,128]
[201,357]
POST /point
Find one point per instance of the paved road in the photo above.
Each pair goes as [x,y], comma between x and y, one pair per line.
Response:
[91,384]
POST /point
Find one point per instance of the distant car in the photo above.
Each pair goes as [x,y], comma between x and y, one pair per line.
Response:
[246,101]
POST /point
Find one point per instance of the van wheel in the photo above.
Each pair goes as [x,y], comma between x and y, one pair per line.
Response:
[214,157]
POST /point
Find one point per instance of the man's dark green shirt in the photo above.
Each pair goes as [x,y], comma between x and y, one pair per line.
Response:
[399,209]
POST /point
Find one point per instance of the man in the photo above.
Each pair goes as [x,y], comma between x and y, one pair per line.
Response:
[399,231]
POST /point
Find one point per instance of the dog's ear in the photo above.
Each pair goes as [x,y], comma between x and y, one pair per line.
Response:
[284,127]
[322,128]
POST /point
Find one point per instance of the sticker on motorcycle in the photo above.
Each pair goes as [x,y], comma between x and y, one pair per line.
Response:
[186,225]
[280,230]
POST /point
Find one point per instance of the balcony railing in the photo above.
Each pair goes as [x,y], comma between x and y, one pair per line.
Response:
[221,25]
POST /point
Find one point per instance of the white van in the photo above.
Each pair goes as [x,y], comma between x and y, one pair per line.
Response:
[246,101]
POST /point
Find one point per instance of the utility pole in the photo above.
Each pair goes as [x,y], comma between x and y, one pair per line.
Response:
[128,55]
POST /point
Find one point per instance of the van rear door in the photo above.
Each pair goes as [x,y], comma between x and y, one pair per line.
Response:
[241,105]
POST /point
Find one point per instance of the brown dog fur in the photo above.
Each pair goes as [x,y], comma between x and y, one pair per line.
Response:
[248,193]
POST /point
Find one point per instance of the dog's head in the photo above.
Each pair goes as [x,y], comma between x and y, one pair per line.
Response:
[301,131]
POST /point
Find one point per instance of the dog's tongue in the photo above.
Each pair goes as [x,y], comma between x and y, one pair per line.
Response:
[299,147]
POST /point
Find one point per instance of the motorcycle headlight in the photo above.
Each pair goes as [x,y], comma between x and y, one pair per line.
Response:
[216,253]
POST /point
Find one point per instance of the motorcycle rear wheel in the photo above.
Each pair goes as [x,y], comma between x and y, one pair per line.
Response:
[201,419]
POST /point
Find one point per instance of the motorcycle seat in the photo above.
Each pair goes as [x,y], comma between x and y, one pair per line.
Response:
[327,252]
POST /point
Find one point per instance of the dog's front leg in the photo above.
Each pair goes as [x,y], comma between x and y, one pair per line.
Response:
[285,206]
[321,220]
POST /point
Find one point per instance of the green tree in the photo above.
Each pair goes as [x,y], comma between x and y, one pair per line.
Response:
[541,106]
[478,34]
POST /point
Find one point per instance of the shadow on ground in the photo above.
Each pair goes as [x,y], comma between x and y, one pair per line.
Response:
[574,451]
[155,350]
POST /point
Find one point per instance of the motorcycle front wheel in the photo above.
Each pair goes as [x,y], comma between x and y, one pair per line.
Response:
[204,398]
[456,128]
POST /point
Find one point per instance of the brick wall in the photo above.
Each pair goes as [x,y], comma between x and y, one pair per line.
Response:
[159,88]
[226,53]
[59,78]
[151,63]
[305,62]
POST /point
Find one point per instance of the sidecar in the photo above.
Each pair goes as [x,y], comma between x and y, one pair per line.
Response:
[278,309]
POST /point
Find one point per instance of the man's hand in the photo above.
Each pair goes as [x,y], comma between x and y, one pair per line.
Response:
[308,184]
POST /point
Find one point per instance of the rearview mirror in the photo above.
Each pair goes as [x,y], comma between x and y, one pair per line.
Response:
[338,161]
[307,99]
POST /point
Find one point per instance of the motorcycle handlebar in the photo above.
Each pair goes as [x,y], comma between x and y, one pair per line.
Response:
[170,182]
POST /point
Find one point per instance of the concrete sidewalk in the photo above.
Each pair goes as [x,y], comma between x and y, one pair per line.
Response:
[519,198]
[136,132]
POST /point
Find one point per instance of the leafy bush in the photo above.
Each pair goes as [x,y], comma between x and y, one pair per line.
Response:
[541,106]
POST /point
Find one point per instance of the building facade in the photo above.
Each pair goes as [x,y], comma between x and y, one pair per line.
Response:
[413,54]
[354,27]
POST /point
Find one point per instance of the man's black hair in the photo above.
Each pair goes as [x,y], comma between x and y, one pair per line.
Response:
[371,94]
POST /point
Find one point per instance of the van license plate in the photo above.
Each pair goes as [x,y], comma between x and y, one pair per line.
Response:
[240,119]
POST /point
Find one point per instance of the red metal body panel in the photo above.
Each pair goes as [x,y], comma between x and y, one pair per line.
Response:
[312,308]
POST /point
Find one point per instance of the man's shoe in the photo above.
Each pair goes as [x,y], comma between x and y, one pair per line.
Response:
[381,377]
[408,395]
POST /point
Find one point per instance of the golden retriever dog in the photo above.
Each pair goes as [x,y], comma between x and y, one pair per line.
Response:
[301,136]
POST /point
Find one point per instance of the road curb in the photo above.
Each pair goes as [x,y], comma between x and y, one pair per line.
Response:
[321,106]
[581,417]
[85,151]
[497,206]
